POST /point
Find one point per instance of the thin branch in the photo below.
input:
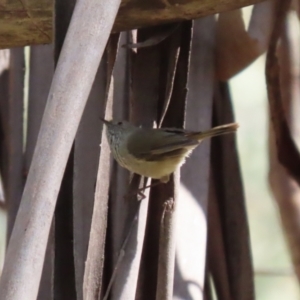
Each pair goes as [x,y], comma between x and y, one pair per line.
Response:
[83,48]
[173,55]
[155,39]
[274,272]
[111,281]
[125,279]
[121,254]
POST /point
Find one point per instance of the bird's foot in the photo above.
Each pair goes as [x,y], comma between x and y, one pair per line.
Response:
[140,191]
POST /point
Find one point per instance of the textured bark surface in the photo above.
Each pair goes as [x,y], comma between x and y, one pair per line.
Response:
[30,22]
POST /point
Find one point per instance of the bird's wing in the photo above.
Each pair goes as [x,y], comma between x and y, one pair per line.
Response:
[156,144]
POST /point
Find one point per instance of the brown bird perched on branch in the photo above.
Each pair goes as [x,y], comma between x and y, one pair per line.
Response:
[155,153]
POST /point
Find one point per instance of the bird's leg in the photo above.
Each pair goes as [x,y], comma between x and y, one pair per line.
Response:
[164,179]
[139,192]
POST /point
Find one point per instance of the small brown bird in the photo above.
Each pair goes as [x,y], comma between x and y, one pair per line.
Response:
[155,153]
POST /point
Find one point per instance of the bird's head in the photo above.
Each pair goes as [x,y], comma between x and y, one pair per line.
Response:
[117,129]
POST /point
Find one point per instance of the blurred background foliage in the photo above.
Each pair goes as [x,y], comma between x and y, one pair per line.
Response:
[274,277]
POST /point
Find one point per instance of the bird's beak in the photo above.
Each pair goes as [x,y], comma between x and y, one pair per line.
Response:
[104,121]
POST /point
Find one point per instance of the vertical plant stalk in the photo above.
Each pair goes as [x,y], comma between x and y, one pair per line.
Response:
[41,73]
[83,48]
[120,177]
[229,194]
[86,163]
[121,255]
[143,111]
[92,280]
[174,117]
[193,193]
[13,179]
[288,154]
[217,268]
[166,257]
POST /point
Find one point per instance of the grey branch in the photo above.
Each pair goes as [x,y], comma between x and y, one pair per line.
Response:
[83,48]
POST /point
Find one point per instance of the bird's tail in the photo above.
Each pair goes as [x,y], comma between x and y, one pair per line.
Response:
[219,130]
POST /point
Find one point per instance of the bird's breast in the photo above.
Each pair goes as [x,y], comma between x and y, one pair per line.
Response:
[153,169]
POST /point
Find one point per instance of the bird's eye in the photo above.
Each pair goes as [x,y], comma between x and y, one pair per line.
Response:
[119,123]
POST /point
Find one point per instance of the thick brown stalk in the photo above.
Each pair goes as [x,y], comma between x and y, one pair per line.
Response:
[166,257]
[288,154]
